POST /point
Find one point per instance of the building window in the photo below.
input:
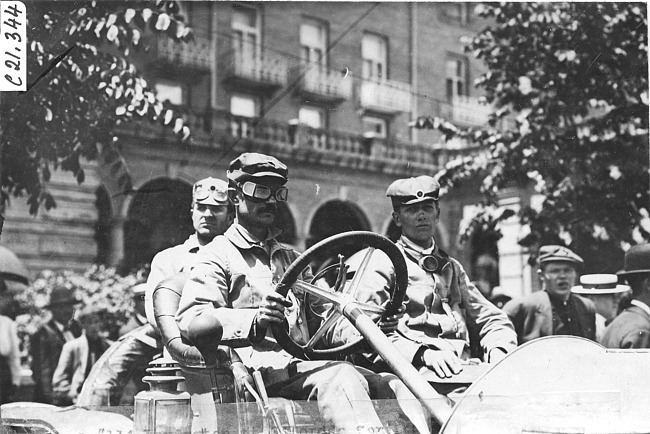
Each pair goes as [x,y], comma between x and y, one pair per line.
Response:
[312,117]
[313,42]
[456,78]
[171,91]
[375,57]
[455,13]
[244,106]
[377,126]
[245,32]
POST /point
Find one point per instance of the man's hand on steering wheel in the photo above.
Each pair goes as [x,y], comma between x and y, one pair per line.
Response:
[445,363]
[271,310]
[389,323]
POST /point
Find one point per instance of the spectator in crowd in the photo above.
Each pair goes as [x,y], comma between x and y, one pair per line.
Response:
[606,294]
[233,281]
[9,348]
[46,344]
[448,320]
[554,310]
[79,355]
[139,316]
[631,328]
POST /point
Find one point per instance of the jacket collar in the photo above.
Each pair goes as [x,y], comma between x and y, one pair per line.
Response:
[243,239]
[191,244]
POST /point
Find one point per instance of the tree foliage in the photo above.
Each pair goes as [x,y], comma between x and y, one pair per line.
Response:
[569,86]
[72,110]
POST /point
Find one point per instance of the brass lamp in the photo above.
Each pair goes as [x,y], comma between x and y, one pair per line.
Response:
[163,409]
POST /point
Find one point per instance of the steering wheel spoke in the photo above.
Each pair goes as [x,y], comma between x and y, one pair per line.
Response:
[342,295]
[334,316]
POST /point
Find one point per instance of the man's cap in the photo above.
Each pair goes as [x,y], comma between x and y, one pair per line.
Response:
[591,284]
[637,260]
[138,289]
[413,190]
[210,191]
[555,253]
[91,309]
[251,166]
[61,295]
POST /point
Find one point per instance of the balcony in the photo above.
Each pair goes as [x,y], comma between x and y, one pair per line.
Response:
[467,110]
[265,74]
[192,56]
[389,97]
[323,85]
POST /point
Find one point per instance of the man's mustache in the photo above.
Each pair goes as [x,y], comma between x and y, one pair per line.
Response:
[269,208]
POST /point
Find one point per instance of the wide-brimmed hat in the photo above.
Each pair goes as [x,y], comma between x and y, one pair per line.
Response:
[591,284]
[637,260]
[61,295]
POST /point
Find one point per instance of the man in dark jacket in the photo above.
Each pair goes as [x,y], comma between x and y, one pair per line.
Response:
[46,344]
[631,328]
[553,310]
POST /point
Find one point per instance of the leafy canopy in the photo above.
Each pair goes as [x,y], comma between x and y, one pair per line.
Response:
[569,86]
[73,110]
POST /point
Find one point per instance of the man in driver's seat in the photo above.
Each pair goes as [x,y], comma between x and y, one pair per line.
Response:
[447,319]
[233,280]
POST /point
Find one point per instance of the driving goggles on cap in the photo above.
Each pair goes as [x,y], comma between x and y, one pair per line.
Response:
[203,191]
[262,192]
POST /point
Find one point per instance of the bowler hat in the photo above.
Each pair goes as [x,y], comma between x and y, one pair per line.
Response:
[637,260]
[251,166]
[61,295]
[413,190]
[210,191]
[591,284]
[555,253]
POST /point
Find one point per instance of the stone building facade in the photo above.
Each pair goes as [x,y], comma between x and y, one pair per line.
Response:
[329,88]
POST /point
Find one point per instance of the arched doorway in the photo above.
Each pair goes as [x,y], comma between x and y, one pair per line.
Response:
[335,217]
[158,218]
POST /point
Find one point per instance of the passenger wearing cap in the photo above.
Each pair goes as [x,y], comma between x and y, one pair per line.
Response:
[606,293]
[212,214]
[631,328]
[447,319]
[554,310]
[138,317]
[233,280]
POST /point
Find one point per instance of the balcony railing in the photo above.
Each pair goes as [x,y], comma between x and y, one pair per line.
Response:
[324,84]
[469,111]
[195,54]
[388,96]
[266,71]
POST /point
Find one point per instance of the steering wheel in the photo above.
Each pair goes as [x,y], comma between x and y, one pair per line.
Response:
[342,295]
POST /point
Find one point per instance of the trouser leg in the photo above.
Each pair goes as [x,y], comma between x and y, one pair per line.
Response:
[341,393]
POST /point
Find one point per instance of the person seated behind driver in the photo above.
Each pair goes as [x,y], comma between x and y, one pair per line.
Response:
[447,319]
[233,280]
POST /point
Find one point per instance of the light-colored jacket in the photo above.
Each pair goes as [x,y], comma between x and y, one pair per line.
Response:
[231,276]
[9,347]
[481,325]
[174,260]
[70,372]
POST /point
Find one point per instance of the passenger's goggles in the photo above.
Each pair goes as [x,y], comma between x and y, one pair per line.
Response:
[262,192]
[203,191]
[432,264]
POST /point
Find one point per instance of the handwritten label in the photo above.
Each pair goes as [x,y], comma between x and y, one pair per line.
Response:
[13,46]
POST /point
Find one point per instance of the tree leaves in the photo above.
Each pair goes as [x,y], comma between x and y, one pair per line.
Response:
[92,90]
[574,77]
